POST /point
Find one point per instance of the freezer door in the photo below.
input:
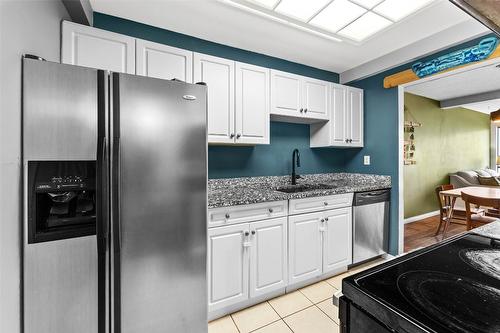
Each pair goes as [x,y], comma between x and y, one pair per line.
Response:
[159,205]
[59,111]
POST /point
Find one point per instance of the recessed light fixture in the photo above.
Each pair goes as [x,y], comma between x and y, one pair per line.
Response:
[300,9]
[337,15]
[349,19]
[365,26]
[395,10]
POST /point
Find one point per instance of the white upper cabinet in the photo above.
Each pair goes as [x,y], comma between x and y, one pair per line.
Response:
[228,264]
[252,104]
[315,98]
[297,98]
[337,241]
[268,256]
[355,112]
[218,74]
[286,96]
[345,128]
[338,115]
[163,62]
[96,48]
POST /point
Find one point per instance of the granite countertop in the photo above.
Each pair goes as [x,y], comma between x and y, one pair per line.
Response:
[249,190]
[490,230]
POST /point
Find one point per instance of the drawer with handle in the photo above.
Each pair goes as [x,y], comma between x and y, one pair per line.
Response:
[246,213]
[316,204]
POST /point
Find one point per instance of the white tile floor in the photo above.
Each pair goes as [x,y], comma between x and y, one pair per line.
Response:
[306,310]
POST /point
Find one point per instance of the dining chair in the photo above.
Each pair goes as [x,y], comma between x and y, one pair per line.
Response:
[477,220]
[444,205]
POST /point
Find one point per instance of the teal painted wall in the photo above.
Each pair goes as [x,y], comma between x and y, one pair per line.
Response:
[229,161]
[381,133]
[276,158]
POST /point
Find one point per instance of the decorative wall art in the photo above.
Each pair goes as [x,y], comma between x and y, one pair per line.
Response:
[487,48]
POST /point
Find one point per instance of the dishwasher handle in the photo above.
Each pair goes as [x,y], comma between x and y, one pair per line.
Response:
[371,197]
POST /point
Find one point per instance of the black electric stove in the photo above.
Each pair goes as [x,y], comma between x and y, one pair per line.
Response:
[453,286]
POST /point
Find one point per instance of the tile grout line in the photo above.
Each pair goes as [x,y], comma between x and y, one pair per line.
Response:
[326,314]
[268,325]
[237,328]
[312,300]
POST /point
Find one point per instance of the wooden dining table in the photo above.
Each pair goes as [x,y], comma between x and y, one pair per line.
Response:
[477,191]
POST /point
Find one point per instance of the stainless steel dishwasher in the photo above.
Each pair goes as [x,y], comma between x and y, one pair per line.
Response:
[370,225]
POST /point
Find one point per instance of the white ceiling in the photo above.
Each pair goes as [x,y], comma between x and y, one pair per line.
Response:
[481,78]
[484,107]
[218,22]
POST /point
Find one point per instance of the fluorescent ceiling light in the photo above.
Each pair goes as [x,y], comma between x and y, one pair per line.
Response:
[365,26]
[266,3]
[300,9]
[397,9]
[337,15]
[368,3]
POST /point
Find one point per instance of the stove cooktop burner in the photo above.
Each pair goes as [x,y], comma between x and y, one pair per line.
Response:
[453,301]
[486,261]
[453,287]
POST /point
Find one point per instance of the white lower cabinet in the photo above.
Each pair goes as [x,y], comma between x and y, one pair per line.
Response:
[319,243]
[304,244]
[260,255]
[228,264]
[246,260]
[337,239]
[268,256]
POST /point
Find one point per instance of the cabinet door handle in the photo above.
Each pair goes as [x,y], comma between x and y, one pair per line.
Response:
[253,232]
[238,136]
[247,234]
[305,110]
[301,110]
[227,216]
[322,220]
[325,203]
[326,218]
[271,210]
[231,135]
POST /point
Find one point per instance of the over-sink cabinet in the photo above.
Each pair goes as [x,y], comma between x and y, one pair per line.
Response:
[242,98]
[257,251]
[298,98]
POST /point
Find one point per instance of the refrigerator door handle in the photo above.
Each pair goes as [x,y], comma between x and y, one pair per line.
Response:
[101,202]
[116,194]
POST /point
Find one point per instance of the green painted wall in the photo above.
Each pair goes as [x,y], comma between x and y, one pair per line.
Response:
[448,141]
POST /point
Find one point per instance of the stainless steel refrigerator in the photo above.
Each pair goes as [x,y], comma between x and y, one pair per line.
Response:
[114,185]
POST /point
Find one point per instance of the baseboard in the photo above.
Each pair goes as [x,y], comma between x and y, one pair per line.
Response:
[421,217]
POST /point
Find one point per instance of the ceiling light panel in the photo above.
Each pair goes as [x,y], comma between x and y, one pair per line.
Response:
[300,9]
[367,3]
[397,9]
[367,25]
[266,3]
[337,15]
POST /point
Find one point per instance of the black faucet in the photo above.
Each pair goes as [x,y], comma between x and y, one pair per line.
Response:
[295,155]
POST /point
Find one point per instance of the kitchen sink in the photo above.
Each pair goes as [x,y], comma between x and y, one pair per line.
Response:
[310,187]
[302,188]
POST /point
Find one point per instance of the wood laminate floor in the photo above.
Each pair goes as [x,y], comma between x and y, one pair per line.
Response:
[422,233]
